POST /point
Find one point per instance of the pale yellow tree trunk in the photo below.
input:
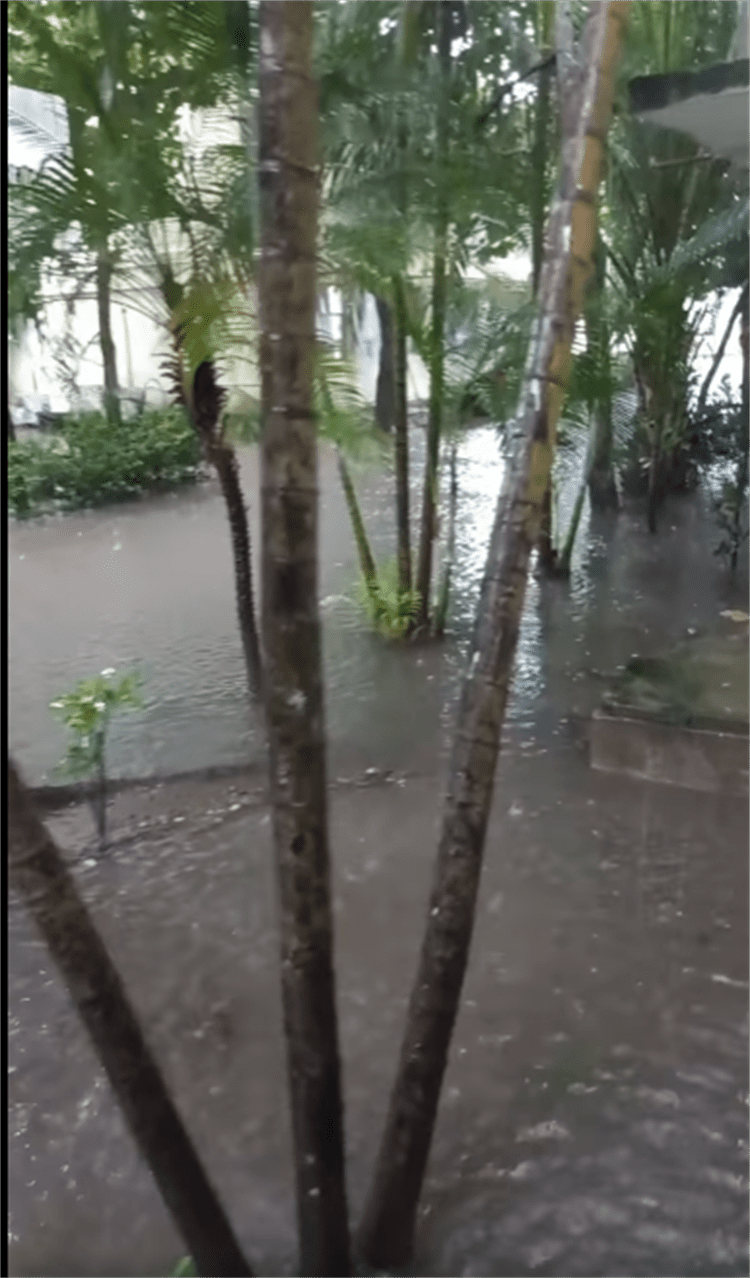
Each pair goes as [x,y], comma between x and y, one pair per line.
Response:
[293,680]
[386,1234]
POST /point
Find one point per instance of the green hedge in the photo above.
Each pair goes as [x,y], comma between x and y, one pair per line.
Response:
[89,461]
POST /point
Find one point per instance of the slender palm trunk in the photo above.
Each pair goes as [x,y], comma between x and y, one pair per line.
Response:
[205,407]
[441,611]
[225,461]
[538,200]
[567,90]
[562,565]
[601,476]
[428,528]
[37,871]
[291,628]
[385,388]
[106,342]
[387,1230]
[364,553]
[437,329]
[401,438]
[741,478]
[401,368]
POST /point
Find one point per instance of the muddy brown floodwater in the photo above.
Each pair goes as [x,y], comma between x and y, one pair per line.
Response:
[594,1114]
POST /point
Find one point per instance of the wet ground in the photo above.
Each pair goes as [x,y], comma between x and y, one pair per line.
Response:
[594,1116]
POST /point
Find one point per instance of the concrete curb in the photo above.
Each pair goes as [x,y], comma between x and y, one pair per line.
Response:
[693,758]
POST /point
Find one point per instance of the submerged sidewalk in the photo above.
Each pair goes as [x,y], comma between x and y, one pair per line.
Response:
[593,1117]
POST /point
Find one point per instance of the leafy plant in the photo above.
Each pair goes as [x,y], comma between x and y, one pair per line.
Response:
[87,712]
[391,612]
[91,461]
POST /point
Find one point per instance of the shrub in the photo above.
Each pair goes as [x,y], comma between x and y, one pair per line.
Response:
[91,462]
[390,611]
[86,713]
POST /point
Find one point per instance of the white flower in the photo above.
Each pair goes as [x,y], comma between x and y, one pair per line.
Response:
[98,705]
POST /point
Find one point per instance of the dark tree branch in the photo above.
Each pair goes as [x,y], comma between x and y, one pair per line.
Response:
[481,120]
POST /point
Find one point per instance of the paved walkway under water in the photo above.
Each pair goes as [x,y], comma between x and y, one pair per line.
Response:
[594,1115]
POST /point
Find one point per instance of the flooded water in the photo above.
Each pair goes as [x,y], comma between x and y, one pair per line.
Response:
[594,1114]
[150,584]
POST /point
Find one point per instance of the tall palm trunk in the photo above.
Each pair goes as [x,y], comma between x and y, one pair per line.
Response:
[401,387]
[224,459]
[539,156]
[385,388]
[567,86]
[364,553]
[204,406]
[600,478]
[387,1229]
[106,342]
[37,871]
[741,476]
[437,328]
[441,611]
[401,437]
[291,628]
[202,401]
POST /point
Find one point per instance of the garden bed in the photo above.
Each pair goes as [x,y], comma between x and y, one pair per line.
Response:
[89,461]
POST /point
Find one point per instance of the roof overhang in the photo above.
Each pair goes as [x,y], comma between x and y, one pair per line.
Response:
[711,105]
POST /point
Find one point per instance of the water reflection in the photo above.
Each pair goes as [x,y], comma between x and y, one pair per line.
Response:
[151,584]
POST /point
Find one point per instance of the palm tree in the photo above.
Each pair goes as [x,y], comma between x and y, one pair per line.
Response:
[118,168]
[399,175]
[662,189]
[387,1228]
[291,628]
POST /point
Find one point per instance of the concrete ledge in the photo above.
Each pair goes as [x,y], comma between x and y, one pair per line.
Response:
[696,759]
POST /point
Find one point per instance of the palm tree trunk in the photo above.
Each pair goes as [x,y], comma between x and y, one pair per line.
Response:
[567,90]
[204,408]
[38,872]
[387,1230]
[225,461]
[538,194]
[401,438]
[437,335]
[291,628]
[428,528]
[441,611]
[601,477]
[741,478]
[364,553]
[385,389]
[106,342]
